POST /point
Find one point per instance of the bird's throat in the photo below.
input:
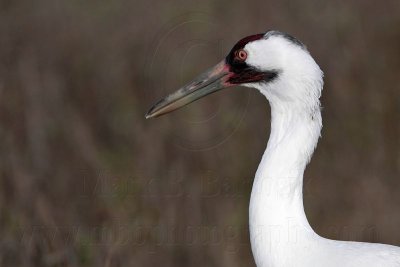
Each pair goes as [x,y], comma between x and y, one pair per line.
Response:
[276,208]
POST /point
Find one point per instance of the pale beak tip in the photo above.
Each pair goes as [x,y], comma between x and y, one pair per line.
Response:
[205,84]
[148,115]
[151,113]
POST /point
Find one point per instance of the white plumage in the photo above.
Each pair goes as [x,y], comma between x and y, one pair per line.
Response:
[279,230]
[282,69]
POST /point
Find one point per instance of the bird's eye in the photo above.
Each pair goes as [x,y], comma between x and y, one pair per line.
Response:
[241,55]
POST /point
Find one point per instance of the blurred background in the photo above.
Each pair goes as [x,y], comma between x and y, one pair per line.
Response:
[85,180]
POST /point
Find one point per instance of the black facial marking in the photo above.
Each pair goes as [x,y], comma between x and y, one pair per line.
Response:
[252,75]
[237,66]
[243,73]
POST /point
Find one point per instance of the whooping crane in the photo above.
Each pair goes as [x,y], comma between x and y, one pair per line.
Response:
[281,68]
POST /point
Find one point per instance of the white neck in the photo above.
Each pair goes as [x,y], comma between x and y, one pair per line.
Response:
[277,218]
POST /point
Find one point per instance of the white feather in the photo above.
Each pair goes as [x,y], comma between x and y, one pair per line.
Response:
[279,230]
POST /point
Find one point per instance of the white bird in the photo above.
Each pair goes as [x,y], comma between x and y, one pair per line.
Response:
[282,69]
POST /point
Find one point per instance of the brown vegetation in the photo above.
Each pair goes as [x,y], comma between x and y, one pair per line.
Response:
[85,180]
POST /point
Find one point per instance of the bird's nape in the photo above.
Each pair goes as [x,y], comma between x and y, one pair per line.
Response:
[280,233]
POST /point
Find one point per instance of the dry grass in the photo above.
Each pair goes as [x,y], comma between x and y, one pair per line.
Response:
[86,181]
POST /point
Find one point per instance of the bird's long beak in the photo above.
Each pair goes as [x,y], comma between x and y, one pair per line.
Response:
[209,82]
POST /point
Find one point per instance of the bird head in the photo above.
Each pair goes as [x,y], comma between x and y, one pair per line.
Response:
[274,63]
